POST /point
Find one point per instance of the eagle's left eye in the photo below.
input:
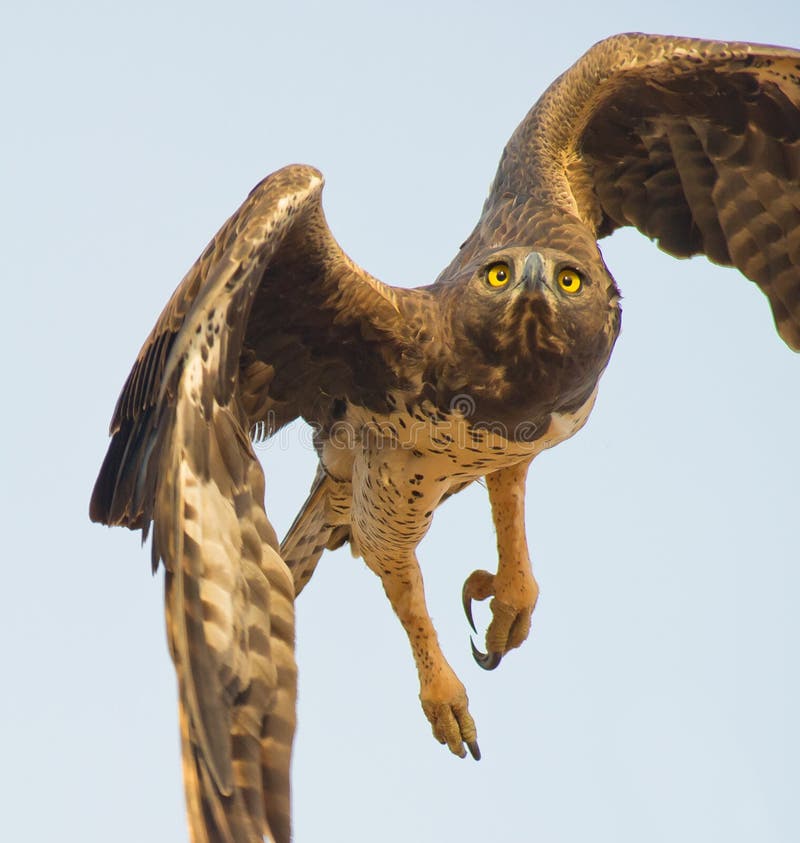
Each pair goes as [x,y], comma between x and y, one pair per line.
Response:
[498,274]
[570,281]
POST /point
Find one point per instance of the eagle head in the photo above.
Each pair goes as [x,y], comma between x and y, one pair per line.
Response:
[531,329]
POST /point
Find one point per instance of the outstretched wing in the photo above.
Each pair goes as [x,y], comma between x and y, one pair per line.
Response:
[695,143]
[297,324]
[270,312]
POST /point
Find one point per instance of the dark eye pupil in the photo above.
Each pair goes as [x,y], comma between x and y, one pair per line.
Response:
[501,275]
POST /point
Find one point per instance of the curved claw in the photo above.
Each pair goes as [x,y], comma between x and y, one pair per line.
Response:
[474,751]
[466,602]
[488,661]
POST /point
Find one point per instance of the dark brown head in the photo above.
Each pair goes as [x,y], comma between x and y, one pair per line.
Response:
[532,329]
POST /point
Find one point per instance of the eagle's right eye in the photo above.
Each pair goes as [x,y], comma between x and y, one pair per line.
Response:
[498,274]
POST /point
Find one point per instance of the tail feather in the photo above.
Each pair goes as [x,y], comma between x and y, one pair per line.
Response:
[316,528]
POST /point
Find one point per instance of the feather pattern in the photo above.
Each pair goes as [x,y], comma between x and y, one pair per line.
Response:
[694,143]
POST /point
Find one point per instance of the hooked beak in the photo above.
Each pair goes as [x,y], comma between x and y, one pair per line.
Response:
[533,271]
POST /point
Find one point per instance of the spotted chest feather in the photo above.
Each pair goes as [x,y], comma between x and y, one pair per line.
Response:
[395,469]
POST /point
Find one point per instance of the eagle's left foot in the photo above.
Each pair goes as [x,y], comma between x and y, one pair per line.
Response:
[511,621]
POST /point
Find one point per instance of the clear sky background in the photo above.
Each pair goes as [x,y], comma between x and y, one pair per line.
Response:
[657,697]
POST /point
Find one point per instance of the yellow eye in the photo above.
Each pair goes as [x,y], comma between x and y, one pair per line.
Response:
[498,274]
[569,281]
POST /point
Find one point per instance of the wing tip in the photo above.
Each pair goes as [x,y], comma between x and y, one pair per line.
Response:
[789,332]
[294,178]
[123,491]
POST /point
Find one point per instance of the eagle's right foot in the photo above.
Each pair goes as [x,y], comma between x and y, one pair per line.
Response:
[452,723]
[443,697]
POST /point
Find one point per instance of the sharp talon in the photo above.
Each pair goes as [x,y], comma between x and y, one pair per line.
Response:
[488,661]
[474,751]
[466,602]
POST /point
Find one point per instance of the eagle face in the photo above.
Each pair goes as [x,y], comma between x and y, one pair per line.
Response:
[537,326]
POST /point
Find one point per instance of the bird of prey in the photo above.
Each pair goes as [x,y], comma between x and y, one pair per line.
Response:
[415,393]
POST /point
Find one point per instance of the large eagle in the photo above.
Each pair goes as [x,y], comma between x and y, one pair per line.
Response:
[414,394]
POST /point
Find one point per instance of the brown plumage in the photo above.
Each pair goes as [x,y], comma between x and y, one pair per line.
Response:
[416,393]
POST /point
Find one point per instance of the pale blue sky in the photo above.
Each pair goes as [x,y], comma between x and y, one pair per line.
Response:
[657,697]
